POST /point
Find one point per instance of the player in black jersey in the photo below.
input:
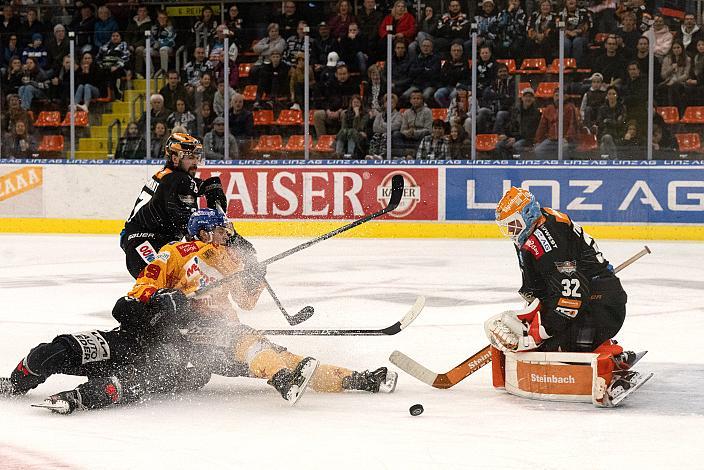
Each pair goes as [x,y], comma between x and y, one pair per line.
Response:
[160,214]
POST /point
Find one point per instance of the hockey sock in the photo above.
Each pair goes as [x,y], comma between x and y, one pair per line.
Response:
[41,362]
[327,378]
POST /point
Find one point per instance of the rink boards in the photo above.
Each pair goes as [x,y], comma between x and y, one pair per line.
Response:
[452,199]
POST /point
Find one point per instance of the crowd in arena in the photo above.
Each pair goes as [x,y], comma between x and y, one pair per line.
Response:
[606,46]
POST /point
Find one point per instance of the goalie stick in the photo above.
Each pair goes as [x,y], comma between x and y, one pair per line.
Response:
[473,363]
[397,185]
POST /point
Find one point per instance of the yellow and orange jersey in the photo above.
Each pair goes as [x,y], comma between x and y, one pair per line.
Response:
[190,266]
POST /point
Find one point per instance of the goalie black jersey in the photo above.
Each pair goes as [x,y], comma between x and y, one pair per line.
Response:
[564,268]
[164,205]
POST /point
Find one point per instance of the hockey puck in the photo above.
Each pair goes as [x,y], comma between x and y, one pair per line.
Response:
[416,410]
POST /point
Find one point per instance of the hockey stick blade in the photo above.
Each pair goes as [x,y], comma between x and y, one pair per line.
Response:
[446,380]
[396,328]
[304,314]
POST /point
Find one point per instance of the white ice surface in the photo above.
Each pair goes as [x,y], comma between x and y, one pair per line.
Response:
[56,284]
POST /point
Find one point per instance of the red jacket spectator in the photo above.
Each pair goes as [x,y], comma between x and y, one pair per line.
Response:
[403,22]
[547,129]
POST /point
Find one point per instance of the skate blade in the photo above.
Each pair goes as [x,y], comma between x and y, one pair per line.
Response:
[307,372]
[389,385]
[615,402]
[61,408]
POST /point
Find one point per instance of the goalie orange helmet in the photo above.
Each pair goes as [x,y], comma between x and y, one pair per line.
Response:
[516,212]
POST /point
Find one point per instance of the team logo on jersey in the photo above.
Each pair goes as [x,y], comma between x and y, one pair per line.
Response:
[533,246]
[566,267]
[187,248]
[146,252]
[188,199]
[193,269]
[543,240]
[409,199]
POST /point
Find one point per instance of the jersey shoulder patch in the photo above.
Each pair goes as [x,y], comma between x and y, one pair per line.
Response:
[187,248]
[534,247]
[162,173]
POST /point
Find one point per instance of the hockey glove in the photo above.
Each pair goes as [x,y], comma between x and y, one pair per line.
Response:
[168,307]
[516,330]
[211,188]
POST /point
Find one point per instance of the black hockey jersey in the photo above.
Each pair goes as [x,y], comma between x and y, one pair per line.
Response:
[164,205]
[564,268]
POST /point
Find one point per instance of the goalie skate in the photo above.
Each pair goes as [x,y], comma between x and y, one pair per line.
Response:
[623,385]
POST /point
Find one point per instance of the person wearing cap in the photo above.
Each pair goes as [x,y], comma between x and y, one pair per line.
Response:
[517,137]
[611,64]
[592,99]
[214,142]
[36,51]
[57,47]
[487,22]
[546,137]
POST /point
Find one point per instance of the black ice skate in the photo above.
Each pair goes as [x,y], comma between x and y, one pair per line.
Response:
[622,385]
[63,403]
[380,380]
[292,384]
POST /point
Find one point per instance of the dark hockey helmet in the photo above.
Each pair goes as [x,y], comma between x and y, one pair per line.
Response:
[181,145]
[208,220]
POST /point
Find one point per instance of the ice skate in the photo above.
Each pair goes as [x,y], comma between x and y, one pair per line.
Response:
[628,359]
[63,403]
[622,385]
[292,384]
[380,380]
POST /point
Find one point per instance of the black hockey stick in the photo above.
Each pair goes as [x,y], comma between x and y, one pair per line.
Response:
[394,200]
[407,319]
[304,314]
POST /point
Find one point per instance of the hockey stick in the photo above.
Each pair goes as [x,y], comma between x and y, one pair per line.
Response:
[473,363]
[396,193]
[396,328]
[304,314]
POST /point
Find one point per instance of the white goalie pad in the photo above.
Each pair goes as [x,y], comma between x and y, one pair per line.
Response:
[553,376]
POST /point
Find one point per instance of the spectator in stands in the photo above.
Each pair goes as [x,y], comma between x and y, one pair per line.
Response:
[611,64]
[219,99]
[9,24]
[13,113]
[542,32]
[132,146]
[205,118]
[638,8]
[628,34]
[518,136]
[19,143]
[424,72]
[214,143]
[31,26]
[500,97]
[459,109]
[112,59]
[593,99]
[689,34]
[369,18]
[194,70]
[377,144]
[611,122]
[404,23]
[451,28]
[182,117]
[158,113]
[12,78]
[663,142]
[511,32]
[295,44]
[676,67]
[458,146]
[416,123]
[35,83]
[546,137]
[663,37]
[235,24]
[10,50]
[642,48]
[424,31]
[452,73]
[173,90]
[352,137]
[37,51]
[695,82]
[288,20]
[163,40]
[340,21]
[434,145]
[87,80]
[266,46]
[635,94]
[217,41]
[603,14]
[577,26]
[327,73]
[322,47]
[400,69]
[84,27]
[137,26]
[57,47]
[241,121]
[486,69]
[487,23]
[204,28]
[297,81]
[335,97]
[205,91]
[630,143]
[372,91]
[216,64]
[60,88]
[159,137]
[104,27]
[274,81]
[352,49]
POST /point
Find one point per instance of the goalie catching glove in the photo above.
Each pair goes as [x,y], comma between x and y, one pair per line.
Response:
[516,330]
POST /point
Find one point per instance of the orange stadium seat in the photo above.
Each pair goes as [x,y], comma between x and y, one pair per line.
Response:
[522,86]
[510,63]
[587,142]
[81,119]
[244,69]
[546,89]
[250,93]
[296,143]
[263,117]
[599,39]
[48,119]
[570,65]
[689,142]
[533,66]
[51,144]
[487,142]
[669,114]
[693,115]
[269,144]
[290,117]
[325,144]
[439,113]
